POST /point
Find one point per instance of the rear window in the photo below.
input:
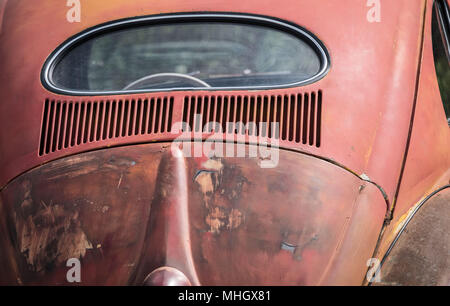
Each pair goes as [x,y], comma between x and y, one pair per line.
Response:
[441,39]
[205,53]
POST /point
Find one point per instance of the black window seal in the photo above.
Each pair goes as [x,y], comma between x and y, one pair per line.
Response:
[275,23]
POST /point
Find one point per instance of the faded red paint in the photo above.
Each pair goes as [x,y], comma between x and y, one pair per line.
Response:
[368,94]
[153,210]
[427,165]
[380,73]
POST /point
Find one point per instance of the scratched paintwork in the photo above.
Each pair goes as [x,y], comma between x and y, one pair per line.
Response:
[362,116]
[217,220]
[315,219]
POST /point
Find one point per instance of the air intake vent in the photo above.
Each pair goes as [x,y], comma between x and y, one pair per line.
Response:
[298,115]
[68,124]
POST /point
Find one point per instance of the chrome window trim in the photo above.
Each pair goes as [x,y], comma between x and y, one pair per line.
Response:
[275,23]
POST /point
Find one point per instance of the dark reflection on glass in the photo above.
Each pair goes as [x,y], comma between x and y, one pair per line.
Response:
[196,54]
[442,62]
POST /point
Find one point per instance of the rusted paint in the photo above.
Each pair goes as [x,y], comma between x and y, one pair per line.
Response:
[217,221]
[57,212]
[363,149]
[282,229]
[48,234]
[220,217]
[427,167]
[308,221]
[167,240]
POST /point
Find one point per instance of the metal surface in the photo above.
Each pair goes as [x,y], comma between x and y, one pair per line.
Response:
[427,162]
[166,276]
[370,87]
[127,207]
[218,221]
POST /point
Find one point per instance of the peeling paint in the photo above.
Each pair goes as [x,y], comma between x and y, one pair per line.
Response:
[213,164]
[204,179]
[219,218]
[50,235]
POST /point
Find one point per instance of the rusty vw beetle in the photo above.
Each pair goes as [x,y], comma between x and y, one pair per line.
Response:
[217,142]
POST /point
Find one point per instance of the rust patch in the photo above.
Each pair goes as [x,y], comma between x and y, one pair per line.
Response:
[220,187]
[219,219]
[77,166]
[205,181]
[234,219]
[213,164]
[48,234]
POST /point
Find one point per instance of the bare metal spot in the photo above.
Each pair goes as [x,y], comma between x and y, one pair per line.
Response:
[204,179]
[213,164]
[120,181]
[215,225]
[219,218]
[48,234]
[234,219]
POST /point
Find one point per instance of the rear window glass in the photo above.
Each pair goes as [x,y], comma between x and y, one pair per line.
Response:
[440,35]
[188,55]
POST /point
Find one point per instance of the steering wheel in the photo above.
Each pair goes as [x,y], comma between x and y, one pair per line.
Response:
[191,79]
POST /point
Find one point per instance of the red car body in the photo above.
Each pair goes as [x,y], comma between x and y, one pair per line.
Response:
[375,144]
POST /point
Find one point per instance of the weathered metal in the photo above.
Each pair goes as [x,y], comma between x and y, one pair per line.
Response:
[218,221]
[427,158]
[136,212]
[364,94]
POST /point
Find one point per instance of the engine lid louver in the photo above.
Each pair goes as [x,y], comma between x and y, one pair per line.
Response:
[69,124]
[297,116]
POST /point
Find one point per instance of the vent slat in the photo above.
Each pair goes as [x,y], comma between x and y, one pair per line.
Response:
[44,130]
[51,126]
[312,115]
[113,126]
[107,121]
[66,124]
[118,128]
[70,125]
[74,136]
[100,120]
[319,118]
[290,117]
[82,123]
[138,118]
[63,128]
[305,118]
[58,127]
